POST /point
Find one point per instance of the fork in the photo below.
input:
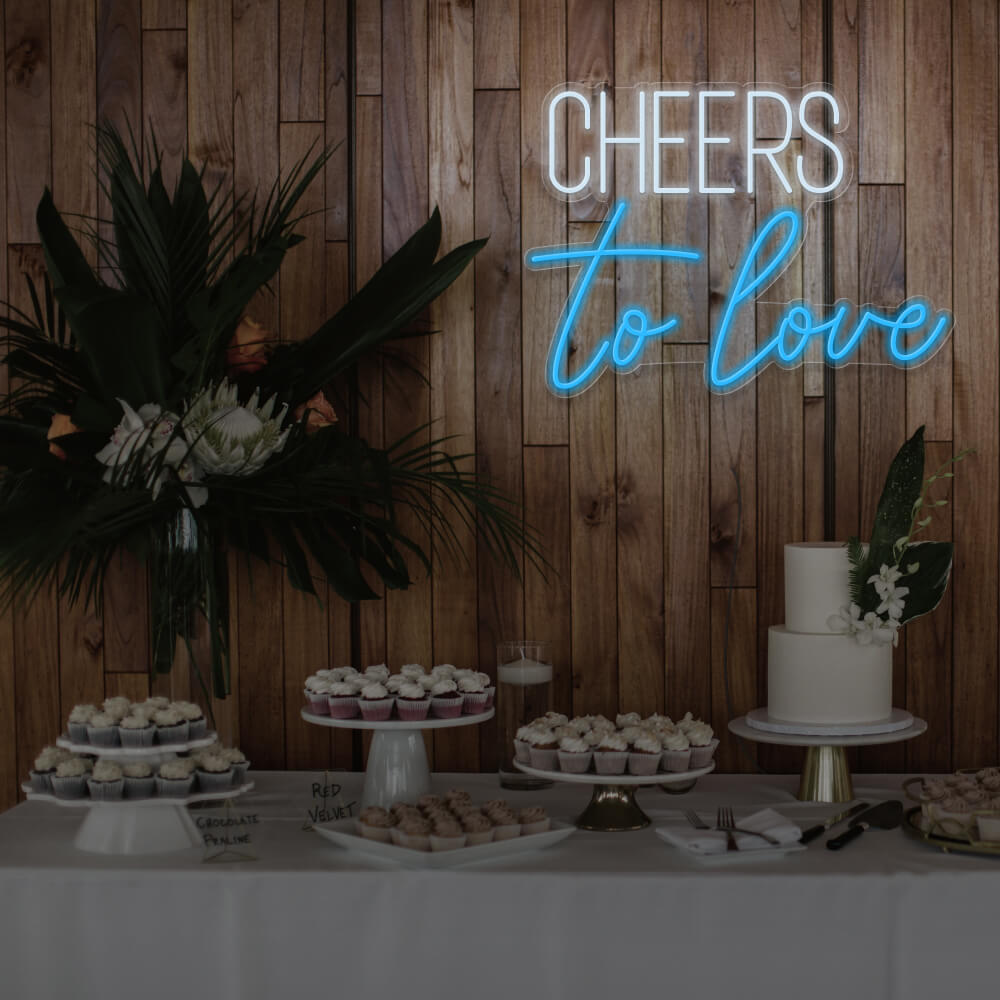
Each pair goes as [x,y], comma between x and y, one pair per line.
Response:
[695,820]
[725,820]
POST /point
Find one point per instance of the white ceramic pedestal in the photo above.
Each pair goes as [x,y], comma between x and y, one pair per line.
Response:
[397,762]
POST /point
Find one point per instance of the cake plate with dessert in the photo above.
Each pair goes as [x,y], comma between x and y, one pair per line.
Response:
[397,762]
[612,807]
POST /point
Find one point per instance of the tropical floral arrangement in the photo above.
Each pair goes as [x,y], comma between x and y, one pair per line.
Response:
[150,412]
[895,578]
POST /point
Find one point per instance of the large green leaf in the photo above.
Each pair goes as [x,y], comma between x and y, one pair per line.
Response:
[66,264]
[928,584]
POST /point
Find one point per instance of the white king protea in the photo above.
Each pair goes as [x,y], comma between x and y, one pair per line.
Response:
[230,438]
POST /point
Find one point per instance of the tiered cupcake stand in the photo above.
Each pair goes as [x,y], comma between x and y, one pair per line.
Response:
[138,826]
[612,806]
[397,762]
[826,776]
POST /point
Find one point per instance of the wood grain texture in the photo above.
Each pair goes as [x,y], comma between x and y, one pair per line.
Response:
[368,48]
[880,86]
[778,53]
[164,14]
[210,87]
[497,43]
[134,686]
[338,117]
[300,60]
[164,111]
[119,62]
[734,672]
[976,384]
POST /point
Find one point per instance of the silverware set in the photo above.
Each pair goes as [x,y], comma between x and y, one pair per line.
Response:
[726,821]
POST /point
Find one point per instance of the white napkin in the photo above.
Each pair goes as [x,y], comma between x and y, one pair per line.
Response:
[714,841]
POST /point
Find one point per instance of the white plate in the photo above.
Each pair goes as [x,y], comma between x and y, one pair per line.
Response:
[592,778]
[117,753]
[897,720]
[396,725]
[151,800]
[726,857]
[343,832]
[740,727]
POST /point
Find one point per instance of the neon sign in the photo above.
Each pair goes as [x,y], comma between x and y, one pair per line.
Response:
[910,333]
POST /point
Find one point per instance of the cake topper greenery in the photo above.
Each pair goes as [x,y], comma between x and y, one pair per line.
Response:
[896,578]
[151,412]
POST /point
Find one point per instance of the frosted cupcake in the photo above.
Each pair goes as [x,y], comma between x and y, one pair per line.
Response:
[106,782]
[444,670]
[175,779]
[375,702]
[543,748]
[156,703]
[447,835]
[611,755]
[239,762]
[102,730]
[343,700]
[676,756]
[78,720]
[413,832]
[171,726]
[412,670]
[473,695]
[644,758]
[377,672]
[412,701]
[215,773]
[376,824]
[574,755]
[70,779]
[136,731]
[489,687]
[446,700]
[317,692]
[45,767]
[394,682]
[522,748]
[478,829]
[534,819]
[627,719]
[117,708]
[703,743]
[195,717]
[506,825]
[139,780]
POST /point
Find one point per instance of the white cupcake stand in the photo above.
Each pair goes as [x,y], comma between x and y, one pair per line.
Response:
[397,762]
[612,807]
[137,826]
[825,775]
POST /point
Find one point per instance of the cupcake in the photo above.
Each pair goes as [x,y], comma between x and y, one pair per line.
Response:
[611,755]
[340,673]
[473,695]
[70,779]
[102,730]
[195,717]
[456,795]
[413,832]
[78,720]
[375,702]
[444,670]
[239,763]
[627,719]
[376,824]
[136,731]
[139,780]
[446,700]
[427,681]
[317,692]
[45,767]
[175,779]
[478,829]
[117,708]
[215,773]
[429,801]
[377,672]
[171,726]
[703,744]
[154,704]
[676,756]
[394,682]
[543,748]
[411,670]
[644,757]
[533,819]
[106,782]
[574,755]
[447,835]
[343,700]
[412,701]
[522,747]
[506,825]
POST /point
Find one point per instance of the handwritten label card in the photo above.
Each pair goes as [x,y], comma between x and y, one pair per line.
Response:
[328,804]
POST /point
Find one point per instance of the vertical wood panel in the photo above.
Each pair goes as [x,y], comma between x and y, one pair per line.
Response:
[210,88]
[496,44]
[164,13]
[134,686]
[300,60]
[368,48]
[880,110]
[338,101]
[119,62]
[164,112]
[778,52]
[741,669]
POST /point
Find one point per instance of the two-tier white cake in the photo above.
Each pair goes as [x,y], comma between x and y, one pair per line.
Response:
[815,675]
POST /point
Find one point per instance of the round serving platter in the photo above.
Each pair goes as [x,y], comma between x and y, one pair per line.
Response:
[139,753]
[160,801]
[913,824]
[396,725]
[899,719]
[612,806]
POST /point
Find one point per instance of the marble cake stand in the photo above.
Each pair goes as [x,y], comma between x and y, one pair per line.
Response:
[397,762]
[825,774]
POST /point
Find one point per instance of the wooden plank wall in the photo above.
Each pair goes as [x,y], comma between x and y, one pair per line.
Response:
[646,487]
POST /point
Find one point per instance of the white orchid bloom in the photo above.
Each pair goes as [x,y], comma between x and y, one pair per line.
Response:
[885,580]
[893,602]
[847,620]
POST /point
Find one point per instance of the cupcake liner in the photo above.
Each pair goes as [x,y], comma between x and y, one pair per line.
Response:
[137,737]
[106,736]
[197,728]
[343,707]
[446,708]
[78,732]
[74,787]
[41,781]
[174,788]
[702,756]
[439,843]
[989,827]
[480,837]
[377,710]
[574,763]
[491,694]
[642,764]
[539,826]
[319,704]
[383,834]
[215,781]
[522,751]
[544,760]
[105,791]
[610,761]
[507,832]
[139,788]
[172,734]
[676,761]
[415,841]
[474,703]
[413,710]
[240,773]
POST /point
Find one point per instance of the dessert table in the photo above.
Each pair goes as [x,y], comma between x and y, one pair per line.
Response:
[598,915]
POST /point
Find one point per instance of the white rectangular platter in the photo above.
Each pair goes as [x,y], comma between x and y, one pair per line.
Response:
[343,832]
[727,857]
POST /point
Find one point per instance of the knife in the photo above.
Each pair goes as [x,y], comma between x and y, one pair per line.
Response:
[884,816]
[820,828]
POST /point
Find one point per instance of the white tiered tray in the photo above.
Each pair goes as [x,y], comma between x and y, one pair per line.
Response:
[397,762]
[152,825]
[612,806]
[147,754]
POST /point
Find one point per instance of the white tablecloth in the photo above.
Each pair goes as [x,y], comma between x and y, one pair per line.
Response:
[600,915]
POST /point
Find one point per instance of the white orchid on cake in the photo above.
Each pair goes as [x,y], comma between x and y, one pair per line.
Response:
[894,578]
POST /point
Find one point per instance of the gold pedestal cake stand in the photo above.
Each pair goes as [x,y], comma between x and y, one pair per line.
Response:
[825,775]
